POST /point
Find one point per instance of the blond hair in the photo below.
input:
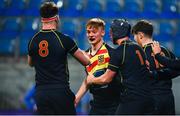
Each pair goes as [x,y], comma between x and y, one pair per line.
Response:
[96,22]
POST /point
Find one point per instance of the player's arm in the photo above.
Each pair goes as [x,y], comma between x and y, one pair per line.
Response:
[165,74]
[103,79]
[81,57]
[171,63]
[30,62]
[82,90]
[71,47]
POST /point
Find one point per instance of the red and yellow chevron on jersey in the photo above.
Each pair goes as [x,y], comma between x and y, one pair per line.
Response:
[99,62]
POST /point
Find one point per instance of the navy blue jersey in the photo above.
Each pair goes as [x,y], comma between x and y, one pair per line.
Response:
[163,84]
[99,64]
[130,59]
[49,49]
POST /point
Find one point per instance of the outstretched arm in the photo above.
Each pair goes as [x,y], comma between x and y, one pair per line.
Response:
[82,57]
[171,63]
[82,90]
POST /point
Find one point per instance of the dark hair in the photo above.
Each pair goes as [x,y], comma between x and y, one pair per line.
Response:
[96,22]
[143,26]
[48,9]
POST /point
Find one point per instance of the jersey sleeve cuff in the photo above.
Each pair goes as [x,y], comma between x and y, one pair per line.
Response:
[72,50]
[113,67]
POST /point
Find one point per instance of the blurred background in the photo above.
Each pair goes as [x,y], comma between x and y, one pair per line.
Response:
[19,21]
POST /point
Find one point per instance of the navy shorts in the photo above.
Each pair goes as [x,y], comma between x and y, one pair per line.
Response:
[55,101]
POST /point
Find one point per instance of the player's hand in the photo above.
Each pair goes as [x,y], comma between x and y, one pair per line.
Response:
[76,101]
[156,47]
[89,79]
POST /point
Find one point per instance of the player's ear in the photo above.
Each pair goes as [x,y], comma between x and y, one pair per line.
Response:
[141,35]
[103,33]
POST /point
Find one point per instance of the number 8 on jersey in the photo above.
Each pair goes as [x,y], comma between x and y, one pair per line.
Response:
[43,48]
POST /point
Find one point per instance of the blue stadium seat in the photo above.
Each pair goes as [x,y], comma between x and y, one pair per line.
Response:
[15,8]
[30,24]
[82,40]
[3,5]
[177,45]
[178,27]
[169,9]
[29,28]
[152,9]
[167,27]
[2,23]
[33,8]
[7,43]
[73,8]
[166,32]
[107,29]
[8,34]
[113,9]
[177,40]
[55,1]
[12,25]
[70,27]
[131,9]
[62,4]
[94,8]
[24,38]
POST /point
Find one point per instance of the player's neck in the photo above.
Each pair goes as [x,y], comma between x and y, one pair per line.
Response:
[119,41]
[147,41]
[48,26]
[96,47]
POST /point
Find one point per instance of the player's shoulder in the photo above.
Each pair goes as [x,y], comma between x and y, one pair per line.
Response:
[129,45]
[119,48]
[166,52]
[36,34]
[147,47]
[163,48]
[108,47]
[62,35]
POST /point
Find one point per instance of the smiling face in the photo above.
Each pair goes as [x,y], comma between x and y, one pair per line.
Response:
[94,34]
[95,31]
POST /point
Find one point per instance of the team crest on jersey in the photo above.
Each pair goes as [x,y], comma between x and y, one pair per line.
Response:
[101,59]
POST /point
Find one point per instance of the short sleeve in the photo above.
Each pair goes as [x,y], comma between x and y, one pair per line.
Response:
[70,45]
[115,60]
